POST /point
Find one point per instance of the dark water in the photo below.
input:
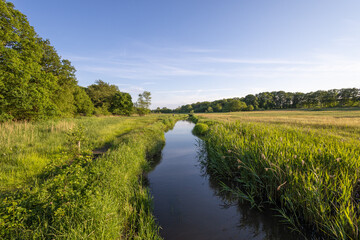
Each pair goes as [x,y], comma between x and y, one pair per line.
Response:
[188,206]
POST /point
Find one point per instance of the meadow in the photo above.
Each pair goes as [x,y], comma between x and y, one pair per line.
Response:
[305,164]
[79,178]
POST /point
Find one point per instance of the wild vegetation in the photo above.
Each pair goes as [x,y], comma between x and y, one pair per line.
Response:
[346,97]
[304,163]
[75,178]
[53,186]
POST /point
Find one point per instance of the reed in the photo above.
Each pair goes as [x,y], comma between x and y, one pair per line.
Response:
[309,174]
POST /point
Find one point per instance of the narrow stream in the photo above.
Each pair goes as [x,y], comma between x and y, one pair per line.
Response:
[188,206]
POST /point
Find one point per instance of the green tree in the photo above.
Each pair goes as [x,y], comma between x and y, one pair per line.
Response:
[83,103]
[25,90]
[348,96]
[251,100]
[249,108]
[236,105]
[143,103]
[218,107]
[35,82]
[121,104]
[101,94]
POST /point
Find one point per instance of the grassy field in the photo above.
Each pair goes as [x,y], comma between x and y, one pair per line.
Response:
[305,163]
[51,189]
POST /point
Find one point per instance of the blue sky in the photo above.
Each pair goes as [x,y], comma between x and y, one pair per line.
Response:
[197,50]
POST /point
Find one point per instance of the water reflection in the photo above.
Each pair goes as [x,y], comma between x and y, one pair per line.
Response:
[188,205]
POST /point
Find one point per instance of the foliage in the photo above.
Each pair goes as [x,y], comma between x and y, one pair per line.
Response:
[143,103]
[83,103]
[108,99]
[346,97]
[121,104]
[25,90]
[249,108]
[101,93]
[235,105]
[35,83]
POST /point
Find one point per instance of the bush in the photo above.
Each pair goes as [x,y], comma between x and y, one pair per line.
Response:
[193,118]
[200,129]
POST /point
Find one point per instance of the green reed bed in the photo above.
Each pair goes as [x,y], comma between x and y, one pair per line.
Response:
[310,176]
[77,196]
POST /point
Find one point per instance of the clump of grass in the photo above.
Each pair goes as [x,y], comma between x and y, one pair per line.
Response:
[312,178]
[200,129]
[193,118]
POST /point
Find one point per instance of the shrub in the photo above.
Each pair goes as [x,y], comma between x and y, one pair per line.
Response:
[193,118]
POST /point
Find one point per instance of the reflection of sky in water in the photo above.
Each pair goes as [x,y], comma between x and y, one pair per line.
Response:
[187,206]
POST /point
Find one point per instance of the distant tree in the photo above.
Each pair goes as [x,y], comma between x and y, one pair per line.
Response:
[210,110]
[236,105]
[251,100]
[143,103]
[265,100]
[188,108]
[121,104]
[331,98]
[279,99]
[166,110]
[348,96]
[218,107]
[298,100]
[101,94]
[249,108]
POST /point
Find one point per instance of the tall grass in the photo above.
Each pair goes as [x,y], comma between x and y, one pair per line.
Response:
[79,197]
[310,176]
[27,147]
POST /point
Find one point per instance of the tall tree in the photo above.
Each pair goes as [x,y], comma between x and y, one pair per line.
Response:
[236,105]
[101,94]
[121,104]
[25,90]
[143,103]
[34,81]
[251,100]
[83,103]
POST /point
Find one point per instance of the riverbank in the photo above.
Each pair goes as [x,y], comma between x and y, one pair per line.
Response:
[188,205]
[71,195]
[306,167]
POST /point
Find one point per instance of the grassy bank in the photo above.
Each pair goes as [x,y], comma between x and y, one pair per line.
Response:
[306,164]
[72,195]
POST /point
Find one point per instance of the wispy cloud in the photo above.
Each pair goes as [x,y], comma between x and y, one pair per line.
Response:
[194,74]
[195,90]
[256,61]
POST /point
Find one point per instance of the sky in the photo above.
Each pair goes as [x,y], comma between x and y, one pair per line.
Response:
[187,51]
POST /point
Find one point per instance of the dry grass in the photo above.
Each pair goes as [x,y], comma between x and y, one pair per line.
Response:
[342,123]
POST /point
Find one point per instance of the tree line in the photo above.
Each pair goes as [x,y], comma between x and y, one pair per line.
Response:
[346,97]
[36,83]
